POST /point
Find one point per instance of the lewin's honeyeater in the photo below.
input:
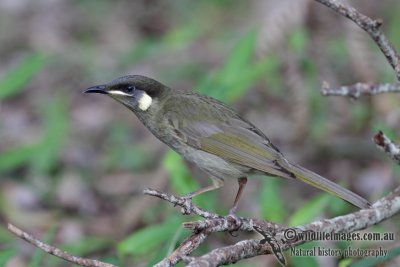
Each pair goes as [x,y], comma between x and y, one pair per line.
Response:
[212,135]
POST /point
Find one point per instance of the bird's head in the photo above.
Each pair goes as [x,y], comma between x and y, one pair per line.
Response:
[136,92]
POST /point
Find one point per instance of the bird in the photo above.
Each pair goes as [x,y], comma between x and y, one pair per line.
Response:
[212,135]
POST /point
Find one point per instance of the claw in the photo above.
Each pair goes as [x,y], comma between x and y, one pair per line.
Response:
[188,207]
[236,220]
[234,233]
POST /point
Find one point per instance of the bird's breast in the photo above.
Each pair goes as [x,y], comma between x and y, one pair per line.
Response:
[212,164]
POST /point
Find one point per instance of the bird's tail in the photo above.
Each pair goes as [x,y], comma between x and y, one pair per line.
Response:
[324,184]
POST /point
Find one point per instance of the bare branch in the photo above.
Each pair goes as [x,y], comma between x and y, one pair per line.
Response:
[381,210]
[387,145]
[372,27]
[358,89]
[215,222]
[202,229]
[55,251]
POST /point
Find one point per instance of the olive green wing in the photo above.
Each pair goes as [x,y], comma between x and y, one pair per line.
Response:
[218,130]
[236,144]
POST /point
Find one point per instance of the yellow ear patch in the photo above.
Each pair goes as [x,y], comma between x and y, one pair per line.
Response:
[145,101]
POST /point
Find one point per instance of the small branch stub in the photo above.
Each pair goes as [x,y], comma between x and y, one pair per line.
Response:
[388,146]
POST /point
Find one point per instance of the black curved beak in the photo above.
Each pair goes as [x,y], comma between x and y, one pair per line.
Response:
[99,89]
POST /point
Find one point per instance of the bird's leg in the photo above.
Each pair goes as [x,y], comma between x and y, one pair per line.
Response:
[242,184]
[217,183]
[232,212]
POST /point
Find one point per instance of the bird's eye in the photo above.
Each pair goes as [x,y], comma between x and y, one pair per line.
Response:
[130,89]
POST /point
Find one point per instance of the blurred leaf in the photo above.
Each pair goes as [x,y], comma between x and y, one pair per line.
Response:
[312,209]
[370,262]
[396,174]
[338,51]
[360,115]
[87,246]
[182,182]
[42,155]
[182,35]
[392,29]
[6,255]
[16,79]
[38,255]
[159,255]
[238,73]
[298,40]
[123,152]
[56,132]
[337,206]
[174,241]
[84,247]
[319,114]
[188,71]
[273,77]
[17,157]
[248,77]
[166,250]
[240,56]
[143,49]
[272,207]
[147,239]
[345,262]
[5,236]
[319,106]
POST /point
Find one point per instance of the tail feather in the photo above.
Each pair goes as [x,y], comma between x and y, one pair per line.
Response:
[324,184]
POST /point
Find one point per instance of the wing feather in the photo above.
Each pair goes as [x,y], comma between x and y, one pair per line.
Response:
[220,131]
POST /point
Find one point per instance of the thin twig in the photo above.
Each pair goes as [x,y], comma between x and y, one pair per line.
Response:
[56,251]
[387,145]
[356,90]
[185,204]
[372,27]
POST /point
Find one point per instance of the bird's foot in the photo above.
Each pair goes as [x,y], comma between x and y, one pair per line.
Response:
[187,207]
[236,221]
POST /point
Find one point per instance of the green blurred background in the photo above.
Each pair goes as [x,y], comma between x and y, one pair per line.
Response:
[73,166]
